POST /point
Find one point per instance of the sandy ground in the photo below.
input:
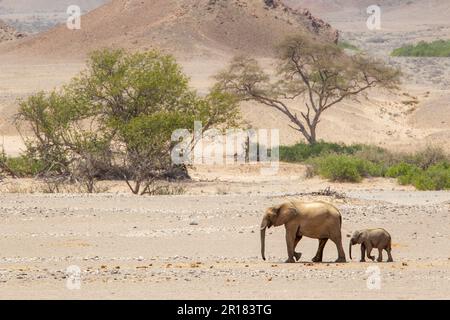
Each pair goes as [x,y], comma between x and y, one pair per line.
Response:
[205,244]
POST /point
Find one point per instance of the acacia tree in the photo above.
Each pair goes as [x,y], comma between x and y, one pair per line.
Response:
[141,98]
[311,73]
[118,115]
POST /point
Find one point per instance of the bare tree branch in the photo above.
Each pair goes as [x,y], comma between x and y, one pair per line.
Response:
[318,74]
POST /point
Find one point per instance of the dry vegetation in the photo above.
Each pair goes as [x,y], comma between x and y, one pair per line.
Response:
[198,238]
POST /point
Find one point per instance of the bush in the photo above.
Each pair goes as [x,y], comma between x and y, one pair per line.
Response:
[404,172]
[339,169]
[435,178]
[346,168]
[438,48]
[348,46]
[302,151]
[24,166]
[427,157]
[20,167]
[402,169]
[378,155]
[427,169]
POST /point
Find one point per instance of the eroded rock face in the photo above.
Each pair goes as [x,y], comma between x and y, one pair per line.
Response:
[281,10]
[313,23]
[272,3]
[320,26]
[8,33]
[184,28]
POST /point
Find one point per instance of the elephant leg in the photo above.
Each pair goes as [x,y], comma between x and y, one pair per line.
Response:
[369,251]
[319,254]
[380,255]
[341,254]
[389,255]
[290,241]
[297,255]
[363,253]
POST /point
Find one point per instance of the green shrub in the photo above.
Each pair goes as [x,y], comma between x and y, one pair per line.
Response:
[423,182]
[24,166]
[338,169]
[427,157]
[348,46]
[345,168]
[378,155]
[405,180]
[402,169]
[404,172]
[427,169]
[21,167]
[302,151]
[436,177]
[438,48]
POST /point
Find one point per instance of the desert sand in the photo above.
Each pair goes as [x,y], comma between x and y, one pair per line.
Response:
[205,243]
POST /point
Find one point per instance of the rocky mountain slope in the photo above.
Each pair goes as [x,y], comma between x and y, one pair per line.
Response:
[8,33]
[183,27]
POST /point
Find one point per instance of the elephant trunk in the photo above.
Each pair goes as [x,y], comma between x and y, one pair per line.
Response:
[263,242]
[350,249]
[264,225]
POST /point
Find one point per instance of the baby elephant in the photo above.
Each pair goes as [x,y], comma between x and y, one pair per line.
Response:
[369,239]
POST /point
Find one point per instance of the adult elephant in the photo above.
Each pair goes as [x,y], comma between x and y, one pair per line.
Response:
[318,220]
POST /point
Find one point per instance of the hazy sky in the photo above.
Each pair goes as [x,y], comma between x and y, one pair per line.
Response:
[32,6]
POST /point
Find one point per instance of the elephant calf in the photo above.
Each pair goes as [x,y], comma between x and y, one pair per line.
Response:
[369,239]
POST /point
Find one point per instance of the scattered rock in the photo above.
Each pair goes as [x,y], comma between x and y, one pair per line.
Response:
[8,33]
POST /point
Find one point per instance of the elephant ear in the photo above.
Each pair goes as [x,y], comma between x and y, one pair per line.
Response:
[270,217]
[276,209]
[285,213]
[359,236]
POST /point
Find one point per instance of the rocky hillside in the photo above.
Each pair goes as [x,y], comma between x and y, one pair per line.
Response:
[183,27]
[8,33]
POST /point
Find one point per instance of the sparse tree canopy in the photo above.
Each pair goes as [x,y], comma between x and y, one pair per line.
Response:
[315,74]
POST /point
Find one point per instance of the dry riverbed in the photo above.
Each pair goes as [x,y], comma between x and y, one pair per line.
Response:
[207,246]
